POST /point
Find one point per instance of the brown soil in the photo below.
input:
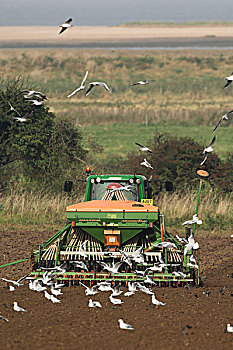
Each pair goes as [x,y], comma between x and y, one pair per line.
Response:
[73,325]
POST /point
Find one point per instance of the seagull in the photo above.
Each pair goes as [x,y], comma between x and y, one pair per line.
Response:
[224,117]
[16,283]
[156,302]
[124,325]
[21,120]
[165,244]
[122,188]
[61,269]
[195,220]
[90,291]
[128,294]
[192,262]
[116,291]
[125,257]
[146,164]
[132,287]
[11,288]
[55,291]
[81,87]
[36,103]
[144,289]
[229,80]
[112,269]
[82,249]
[182,240]
[191,244]
[96,83]
[30,93]
[35,286]
[17,308]
[105,287]
[115,301]
[54,299]
[80,264]
[179,274]
[229,328]
[47,295]
[142,82]
[4,319]
[12,109]
[47,277]
[208,149]
[143,148]
[92,303]
[65,25]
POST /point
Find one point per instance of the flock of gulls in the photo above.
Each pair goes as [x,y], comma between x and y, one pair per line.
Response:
[48,285]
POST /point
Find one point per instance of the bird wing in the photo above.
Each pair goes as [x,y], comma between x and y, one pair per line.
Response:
[105,86]
[85,77]
[117,265]
[89,89]
[6,280]
[74,92]
[62,30]
[23,278]
[227,84]
[22,92]
[138,144]
[204,158]
[228,113]
[213,141]
[69,20]
[216,127]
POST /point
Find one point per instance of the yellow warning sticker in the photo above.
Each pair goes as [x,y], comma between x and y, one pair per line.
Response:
[147,201]
[112,216]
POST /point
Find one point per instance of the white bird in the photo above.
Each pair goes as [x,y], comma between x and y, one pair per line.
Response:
[66,25]
[229,328]
[132,286]
[155,301]
[116,291]
[115,301]
[80,264]
[142,82]
[96,83]
[104,287]
[81,87]
[182,240]
[12,109]
[125,257]
[143,148]
[229,80]
[224,117]
[195,220]
[11,288]
[82,249]
[16,283]
[32,93]
[122,188]
[36,286]
[208,149]
[55,291]
[128,294]
[124,325]
[4,319]
[144,289]
[192,262]
[165,244]
[191,244]
[17,308]
[90,291]
[179,274]
[36,103]
[21,120]
[61,269]
[47,295]
[112,269]
[54,299]
[92,303]
[47,277]
[146,164]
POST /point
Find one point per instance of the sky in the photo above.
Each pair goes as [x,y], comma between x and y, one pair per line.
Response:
[111,12]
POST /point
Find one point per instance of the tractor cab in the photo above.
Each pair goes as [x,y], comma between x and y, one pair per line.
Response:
[117,187]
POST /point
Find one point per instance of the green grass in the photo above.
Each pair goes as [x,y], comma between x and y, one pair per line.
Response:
[120,138]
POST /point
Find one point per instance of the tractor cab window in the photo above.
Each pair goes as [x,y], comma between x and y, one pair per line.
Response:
[120,191]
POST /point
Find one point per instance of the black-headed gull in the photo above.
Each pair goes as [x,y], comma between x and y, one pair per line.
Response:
[115,301]
[92,303]
[192,262]
[32,93]
[208,149]
[146,164]
[124,325]
[90,291]
[191,244]
[66,25]
[80,264]
[96,83]
[81,87]
[36,103]
[229,80]
[195,220]
[229,328]
[143,148]
[12,109]
[142,82]
[156,302]
[224,117]
[112,269]
[17,308]
[116,291]
[21,120]
[4,319]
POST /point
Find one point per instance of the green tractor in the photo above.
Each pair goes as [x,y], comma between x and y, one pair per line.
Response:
[117,234]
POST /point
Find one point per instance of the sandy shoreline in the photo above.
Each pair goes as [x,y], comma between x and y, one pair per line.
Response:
[44,36]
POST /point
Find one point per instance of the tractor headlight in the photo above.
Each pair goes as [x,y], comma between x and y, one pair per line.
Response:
[138,181]
[131,181]
[92,181]
[98,179]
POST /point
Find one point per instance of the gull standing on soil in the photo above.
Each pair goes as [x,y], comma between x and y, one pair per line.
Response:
[143,148]
[132,286]
[92,303]
[146,164]
[142,82]
[115,301]
[96,83]
[104,286]
[17,308]
[66,25]
[11,288]
[224,117]
[55,291]
[229,80]
[4,319]
[128,294]
[81,87]
[208,149]
[116,291]
[47,295]
[229,328]
[124,325]
[54,299]
[90,291]
[156,302]
[12,109]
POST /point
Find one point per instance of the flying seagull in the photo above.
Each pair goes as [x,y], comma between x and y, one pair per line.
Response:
[17,308]
[21,120]
[117,291]
[146,164]
[124,325]
[142,82]
[90,291]
[195,220]
[65,25]
[32,93]
[165,244]
[112,269]
[224,117]
[81,87]
[208,149]
[122,188]
[143,148]
[191,244]
[12,109]
[229,80]
[36,102]
[96,83]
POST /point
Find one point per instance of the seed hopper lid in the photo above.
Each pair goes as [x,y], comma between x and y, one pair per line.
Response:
[202,173]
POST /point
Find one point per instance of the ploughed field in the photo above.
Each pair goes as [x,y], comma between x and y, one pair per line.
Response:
[73,325]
